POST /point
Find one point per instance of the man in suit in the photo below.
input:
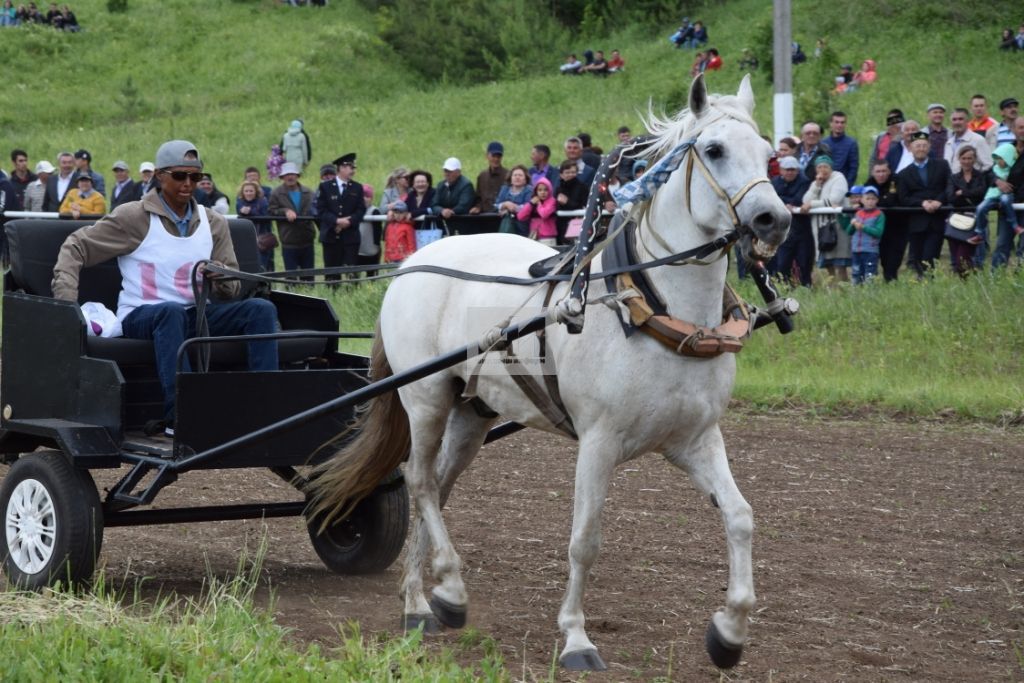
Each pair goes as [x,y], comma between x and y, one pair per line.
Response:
[125,189]
[59,183]
[341,205]
[574,152]
[923,184]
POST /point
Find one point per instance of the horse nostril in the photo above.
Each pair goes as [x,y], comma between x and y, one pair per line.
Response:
[764,220]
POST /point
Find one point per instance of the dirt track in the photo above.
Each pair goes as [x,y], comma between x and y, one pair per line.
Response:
[883,551]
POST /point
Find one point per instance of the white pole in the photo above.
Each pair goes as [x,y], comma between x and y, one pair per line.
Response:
[782,69]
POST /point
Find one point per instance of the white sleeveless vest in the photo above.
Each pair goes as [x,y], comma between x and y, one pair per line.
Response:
[160,269]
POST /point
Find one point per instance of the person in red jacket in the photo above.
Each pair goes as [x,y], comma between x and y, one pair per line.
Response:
[714,60]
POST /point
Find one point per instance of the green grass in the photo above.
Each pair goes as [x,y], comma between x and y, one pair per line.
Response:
[220,635]
[917,348]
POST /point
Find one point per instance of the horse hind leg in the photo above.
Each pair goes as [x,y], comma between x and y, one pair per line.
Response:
[709,469]
[463,436]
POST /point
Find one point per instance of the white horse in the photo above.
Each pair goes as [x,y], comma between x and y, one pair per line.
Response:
[625,396]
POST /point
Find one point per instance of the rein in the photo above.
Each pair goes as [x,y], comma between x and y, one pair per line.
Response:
[698,252]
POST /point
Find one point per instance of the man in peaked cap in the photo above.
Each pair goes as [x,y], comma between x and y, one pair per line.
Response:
[490,180]
[340,205]
[923,184]
[157,240]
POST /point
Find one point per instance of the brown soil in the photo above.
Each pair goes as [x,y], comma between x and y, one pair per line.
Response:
[883,552]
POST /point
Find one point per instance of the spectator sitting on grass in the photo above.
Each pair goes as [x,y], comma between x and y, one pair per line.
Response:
[68,20]
[1018,39]
[748,61]
[599,66]
[699,36]
[797,53]
[714,62]
[572,66]
[699,62]
[616,63]
[867,73]
[8,14]
[683,33]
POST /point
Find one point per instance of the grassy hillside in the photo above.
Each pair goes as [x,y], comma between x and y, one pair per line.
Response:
[231,75]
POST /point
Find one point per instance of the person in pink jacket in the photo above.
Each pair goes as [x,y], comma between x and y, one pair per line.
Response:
[540,211]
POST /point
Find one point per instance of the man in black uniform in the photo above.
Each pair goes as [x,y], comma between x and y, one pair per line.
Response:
[340,205]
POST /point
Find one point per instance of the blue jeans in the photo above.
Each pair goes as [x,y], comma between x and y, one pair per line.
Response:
[267,260]
[1005,202]
[865,266]
[299,258]
[170,324]
[1004,240]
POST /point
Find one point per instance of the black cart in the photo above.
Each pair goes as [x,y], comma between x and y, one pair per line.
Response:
[71,403]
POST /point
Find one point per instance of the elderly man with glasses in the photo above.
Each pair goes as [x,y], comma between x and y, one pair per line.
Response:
[157,241]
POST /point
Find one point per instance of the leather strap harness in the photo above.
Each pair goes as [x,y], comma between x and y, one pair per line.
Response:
[648,314]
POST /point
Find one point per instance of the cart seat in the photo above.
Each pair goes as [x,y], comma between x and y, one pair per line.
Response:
[35,244]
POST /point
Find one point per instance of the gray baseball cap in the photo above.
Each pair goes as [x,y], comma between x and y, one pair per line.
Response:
[178,153]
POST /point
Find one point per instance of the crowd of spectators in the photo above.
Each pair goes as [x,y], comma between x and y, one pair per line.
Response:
[918,177]
[529,193]
[61,18]
[896,207]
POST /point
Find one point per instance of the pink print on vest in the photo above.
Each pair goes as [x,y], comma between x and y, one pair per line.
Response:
[147,279]
[183,280]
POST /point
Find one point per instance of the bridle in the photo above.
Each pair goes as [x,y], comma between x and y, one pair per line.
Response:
[688,151]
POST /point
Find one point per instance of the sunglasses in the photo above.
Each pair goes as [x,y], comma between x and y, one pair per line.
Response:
[180,176]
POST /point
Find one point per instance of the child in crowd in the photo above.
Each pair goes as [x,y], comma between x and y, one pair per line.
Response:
[866,230]
[400,234]
[540,211]
[1004,157]
[274,162]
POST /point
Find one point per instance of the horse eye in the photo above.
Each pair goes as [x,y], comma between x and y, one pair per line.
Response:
[713,151]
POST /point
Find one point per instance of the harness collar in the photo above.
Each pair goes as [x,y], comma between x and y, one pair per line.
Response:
[646,312]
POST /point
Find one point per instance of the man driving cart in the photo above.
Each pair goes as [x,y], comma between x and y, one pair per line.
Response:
[157,241]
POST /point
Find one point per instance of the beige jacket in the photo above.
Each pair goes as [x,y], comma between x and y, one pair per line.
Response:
[121,232]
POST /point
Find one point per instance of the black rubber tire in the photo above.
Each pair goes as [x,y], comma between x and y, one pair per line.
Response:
[370,539]
[77,521]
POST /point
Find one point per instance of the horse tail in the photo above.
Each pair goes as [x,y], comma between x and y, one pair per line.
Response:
[380,443]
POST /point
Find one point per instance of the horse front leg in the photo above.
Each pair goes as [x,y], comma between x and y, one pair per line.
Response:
[708,466]
[594,465]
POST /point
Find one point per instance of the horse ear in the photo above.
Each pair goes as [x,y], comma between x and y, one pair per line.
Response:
[698,96]
[746,94]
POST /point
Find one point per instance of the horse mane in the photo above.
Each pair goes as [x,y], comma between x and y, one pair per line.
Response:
[670,131]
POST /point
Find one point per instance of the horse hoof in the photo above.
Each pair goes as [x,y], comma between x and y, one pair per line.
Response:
[583,660]
[724,655]
[453,616]
[430,624]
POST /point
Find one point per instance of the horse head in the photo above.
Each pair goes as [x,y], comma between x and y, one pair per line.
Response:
[720,183]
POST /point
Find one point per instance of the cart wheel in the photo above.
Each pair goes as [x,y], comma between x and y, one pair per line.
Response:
[53,522]
[369,539]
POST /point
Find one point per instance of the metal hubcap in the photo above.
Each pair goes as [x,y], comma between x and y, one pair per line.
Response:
[31,526]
